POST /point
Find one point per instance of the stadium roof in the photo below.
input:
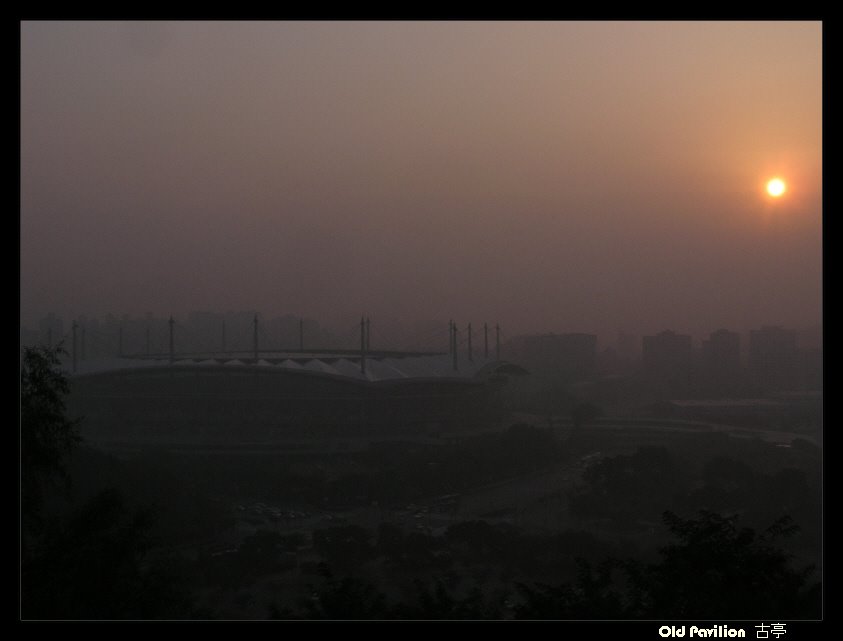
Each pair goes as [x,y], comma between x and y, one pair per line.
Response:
[377,368]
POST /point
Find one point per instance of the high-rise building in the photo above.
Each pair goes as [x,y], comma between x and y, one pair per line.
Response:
[666,362]
[773,359]
[812,366]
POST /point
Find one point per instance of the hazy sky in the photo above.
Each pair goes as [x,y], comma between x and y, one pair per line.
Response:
[550,176]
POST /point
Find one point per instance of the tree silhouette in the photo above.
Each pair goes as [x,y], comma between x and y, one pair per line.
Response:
[715,570]
[437,603]
[47,434]
[92,562]
[718,570]
[347,598]
[594,595]
[343,547]
[94,565]
[630,487]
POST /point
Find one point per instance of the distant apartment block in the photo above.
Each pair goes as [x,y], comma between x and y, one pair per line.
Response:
[666,362]
[812,367]
[774,363]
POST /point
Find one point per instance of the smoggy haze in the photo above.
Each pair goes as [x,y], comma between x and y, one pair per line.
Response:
[548,176]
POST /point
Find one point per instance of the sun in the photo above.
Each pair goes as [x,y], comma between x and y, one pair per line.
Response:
[776,187]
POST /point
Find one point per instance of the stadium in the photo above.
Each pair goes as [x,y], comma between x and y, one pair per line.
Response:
[266,398]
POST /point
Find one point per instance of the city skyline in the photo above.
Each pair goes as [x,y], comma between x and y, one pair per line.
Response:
[238,325]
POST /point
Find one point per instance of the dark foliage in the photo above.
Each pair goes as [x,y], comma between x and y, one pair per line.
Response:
[93,565]
[715,570]
[632,487]
[344,546]
[718,570]
[92,562]
[437,603]
[47,434]
[347,598]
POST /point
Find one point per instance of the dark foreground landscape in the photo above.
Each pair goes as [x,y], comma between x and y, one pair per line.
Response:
[577,517]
